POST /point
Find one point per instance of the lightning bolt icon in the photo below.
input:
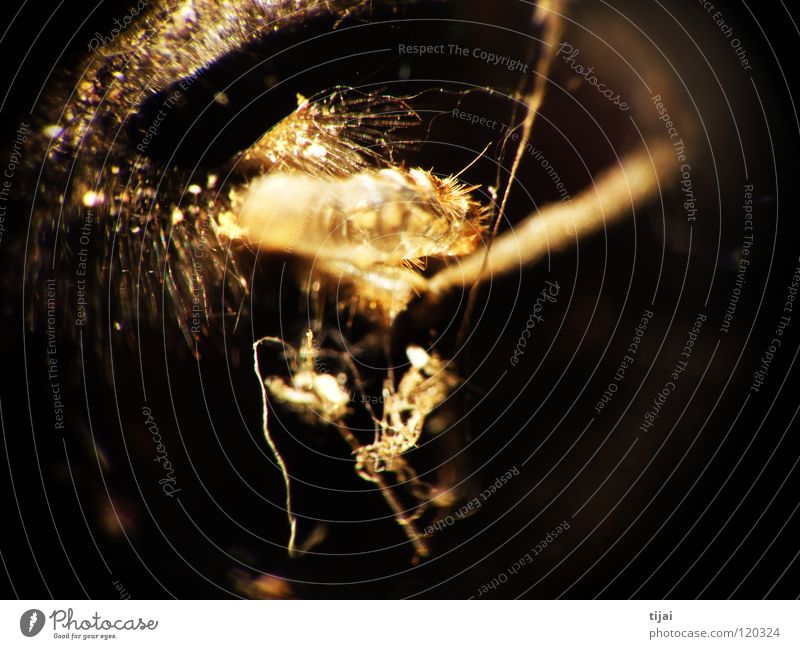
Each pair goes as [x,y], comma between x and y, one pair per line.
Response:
[32,621]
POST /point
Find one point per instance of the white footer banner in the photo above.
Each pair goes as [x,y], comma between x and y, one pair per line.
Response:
[399,624]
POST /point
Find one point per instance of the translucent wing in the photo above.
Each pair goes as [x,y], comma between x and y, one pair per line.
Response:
[334,134]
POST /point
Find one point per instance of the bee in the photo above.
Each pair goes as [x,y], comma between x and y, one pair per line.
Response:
[324,185]
[327,186]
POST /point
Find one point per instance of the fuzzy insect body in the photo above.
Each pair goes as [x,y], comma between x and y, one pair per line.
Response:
[387,216]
